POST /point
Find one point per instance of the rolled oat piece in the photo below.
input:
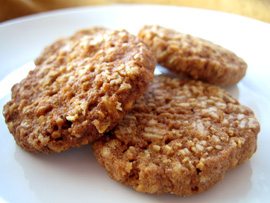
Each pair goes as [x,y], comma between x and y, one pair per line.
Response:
[82,86]
[180,137]
[193,57]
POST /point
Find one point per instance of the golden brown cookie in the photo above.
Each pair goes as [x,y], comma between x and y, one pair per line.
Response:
[180,137]
[193,57]
[82,86]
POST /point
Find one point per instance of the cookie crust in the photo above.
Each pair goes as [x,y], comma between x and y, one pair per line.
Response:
[193,57]
[82,86]
[180,137]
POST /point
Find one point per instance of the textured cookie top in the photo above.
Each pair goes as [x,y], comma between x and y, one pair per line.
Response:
[180,137]
[82,86]
[193,57]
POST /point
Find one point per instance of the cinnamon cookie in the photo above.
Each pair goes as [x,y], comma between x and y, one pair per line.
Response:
[180,137]
[193,57]
[82,86]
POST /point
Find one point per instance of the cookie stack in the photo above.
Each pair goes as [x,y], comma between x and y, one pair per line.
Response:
[157,134]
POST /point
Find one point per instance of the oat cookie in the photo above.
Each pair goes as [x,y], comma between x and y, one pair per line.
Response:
[180,137]
[193,57]
[82,86]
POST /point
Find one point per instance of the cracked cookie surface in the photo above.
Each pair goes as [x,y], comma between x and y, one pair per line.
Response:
[82,86]
[193,57]
[180,137]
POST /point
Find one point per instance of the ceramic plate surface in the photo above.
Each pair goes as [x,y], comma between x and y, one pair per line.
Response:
[75,175]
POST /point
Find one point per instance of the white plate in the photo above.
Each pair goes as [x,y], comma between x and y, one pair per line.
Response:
[75,175]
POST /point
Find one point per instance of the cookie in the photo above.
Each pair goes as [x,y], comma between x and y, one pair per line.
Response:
[193,57]
[82,86]
[180,137]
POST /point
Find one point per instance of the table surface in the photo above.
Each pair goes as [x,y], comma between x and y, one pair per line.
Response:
[257,9]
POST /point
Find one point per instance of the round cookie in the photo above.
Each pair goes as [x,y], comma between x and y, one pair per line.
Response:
[193,57]
[82,86]
[180,137]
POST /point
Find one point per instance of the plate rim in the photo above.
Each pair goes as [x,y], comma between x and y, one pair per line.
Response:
[79,9]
